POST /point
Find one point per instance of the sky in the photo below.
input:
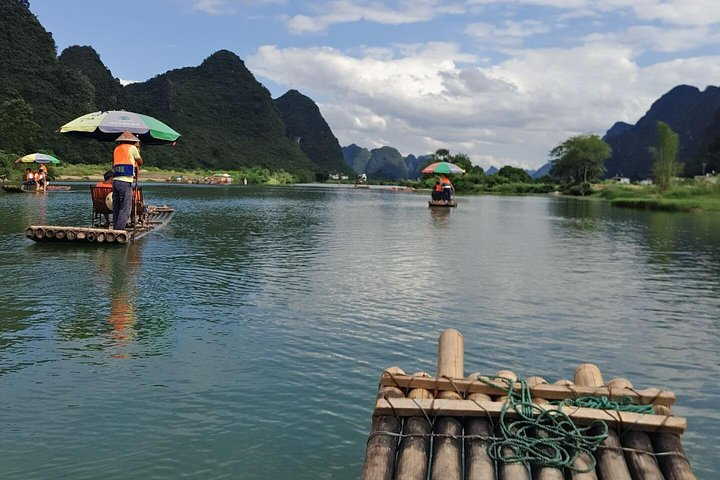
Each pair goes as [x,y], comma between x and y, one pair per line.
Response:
[501,81]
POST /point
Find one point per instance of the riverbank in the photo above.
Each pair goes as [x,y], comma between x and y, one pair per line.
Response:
[254,175]
[691,197]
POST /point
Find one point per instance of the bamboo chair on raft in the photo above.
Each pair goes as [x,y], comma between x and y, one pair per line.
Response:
[102,207]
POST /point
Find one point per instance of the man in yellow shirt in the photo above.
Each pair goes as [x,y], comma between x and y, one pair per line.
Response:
[126,160]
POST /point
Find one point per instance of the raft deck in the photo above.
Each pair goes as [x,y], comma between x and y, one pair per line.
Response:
[157,218]
[454,426]
[442,204]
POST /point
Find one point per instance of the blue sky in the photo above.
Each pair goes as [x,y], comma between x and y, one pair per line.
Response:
[502,81]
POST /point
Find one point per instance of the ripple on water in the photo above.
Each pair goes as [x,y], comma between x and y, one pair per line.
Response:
[252,333]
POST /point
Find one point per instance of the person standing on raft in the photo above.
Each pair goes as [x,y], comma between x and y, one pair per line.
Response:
[126,160]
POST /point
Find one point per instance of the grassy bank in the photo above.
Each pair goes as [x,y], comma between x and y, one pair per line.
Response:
[683,197]
[254,175]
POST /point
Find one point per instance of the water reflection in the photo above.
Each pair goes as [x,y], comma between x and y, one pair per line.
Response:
[440,216]
[123,290]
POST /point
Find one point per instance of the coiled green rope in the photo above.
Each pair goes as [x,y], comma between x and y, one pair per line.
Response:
[548,438]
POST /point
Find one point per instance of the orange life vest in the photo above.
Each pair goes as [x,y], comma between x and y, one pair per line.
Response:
[123,162]
[438,188]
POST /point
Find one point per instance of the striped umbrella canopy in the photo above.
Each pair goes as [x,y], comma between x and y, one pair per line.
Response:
[38,158]
[442,167]
[107,126]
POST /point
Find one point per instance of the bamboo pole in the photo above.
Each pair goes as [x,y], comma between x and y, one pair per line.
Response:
[50,233]
[609,456]
[639,455]
[39,233]
[587,375]
[29,232]
[71,235]
[381,448]
[447,447]
[121,237]
[478,464]
[81,235]
[509,471]
[60,234]
[414,450]
[560,390]
[675,466]
[540,472]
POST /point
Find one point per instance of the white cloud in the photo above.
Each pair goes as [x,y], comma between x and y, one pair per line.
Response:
[510,33]
[652,38]
[344,11]
[124,82]
[213,7]
[424,97]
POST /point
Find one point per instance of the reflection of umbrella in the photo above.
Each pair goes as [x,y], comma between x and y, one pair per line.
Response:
[106,126]
[442,167]
[38,158]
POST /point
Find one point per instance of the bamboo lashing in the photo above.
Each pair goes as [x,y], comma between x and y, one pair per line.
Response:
[641,443]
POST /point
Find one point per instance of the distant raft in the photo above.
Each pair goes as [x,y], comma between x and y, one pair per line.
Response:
[49,188]
[157,217]
[442,204]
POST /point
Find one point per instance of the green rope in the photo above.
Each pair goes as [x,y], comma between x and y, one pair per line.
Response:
[548,438]
[604,403]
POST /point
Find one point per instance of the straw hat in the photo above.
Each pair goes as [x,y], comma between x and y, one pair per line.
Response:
[126,136]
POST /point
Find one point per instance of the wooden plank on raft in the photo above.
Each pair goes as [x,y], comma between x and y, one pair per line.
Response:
[459,408]
[549,392]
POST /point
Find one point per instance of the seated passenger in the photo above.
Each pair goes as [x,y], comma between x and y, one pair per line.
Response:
[107,180]
[437,192]
[29,179]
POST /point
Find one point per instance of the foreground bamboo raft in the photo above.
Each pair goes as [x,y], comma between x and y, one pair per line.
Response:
[157,218]
[442,427]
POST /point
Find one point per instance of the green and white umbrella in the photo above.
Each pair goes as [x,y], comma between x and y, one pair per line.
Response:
[38,158]
[107,126]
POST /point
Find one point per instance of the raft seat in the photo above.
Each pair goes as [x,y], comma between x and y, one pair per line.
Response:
[101,209]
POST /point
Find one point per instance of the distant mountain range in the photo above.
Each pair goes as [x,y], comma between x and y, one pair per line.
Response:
[384,162]
[227,119]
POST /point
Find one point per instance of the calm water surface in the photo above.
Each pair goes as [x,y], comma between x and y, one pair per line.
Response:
[247,339]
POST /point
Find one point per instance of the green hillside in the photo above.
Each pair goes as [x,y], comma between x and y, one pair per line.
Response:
[305,126]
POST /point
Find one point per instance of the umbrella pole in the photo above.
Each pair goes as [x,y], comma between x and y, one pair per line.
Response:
[132,209]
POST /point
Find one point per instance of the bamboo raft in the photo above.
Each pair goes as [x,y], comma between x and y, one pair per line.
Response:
[50,188]
[157,217]
[442,204]
[443,427]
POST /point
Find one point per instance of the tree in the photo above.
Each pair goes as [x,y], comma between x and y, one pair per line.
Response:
[665,153]
[18,129]
[580,158]
[441,155]
[514,174]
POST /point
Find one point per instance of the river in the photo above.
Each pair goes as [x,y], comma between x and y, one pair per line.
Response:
[246,340]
